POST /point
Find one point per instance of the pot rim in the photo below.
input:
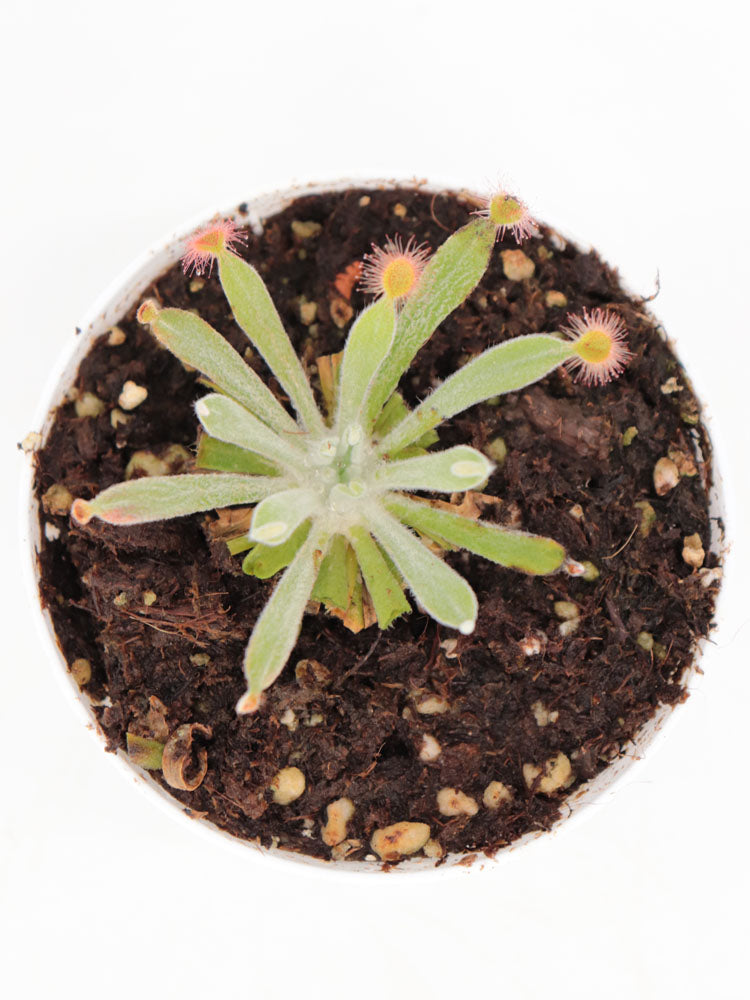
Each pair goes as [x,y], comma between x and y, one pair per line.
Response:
[107,309]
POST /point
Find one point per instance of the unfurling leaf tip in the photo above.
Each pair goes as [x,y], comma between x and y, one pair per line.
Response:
[81,511]
[249,703]
[147,312]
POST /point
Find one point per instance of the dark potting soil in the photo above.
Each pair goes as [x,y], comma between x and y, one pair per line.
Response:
[519,690]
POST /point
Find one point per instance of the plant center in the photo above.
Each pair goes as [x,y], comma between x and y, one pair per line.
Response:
[594,346]
[399,277]
[505,211]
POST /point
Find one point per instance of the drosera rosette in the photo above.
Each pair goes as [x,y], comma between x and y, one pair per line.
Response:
[334,498]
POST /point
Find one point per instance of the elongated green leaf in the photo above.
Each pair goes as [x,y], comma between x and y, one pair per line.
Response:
[239,545]
[382,583]
[197,344]
[515,549]
[459,468]
[158,498]
[276,517]
[227,420]
[354,617]
[367,345]
[220,456]
[278,627]
[452,272]
[256,314]
[394,411]
[505,368]
[443,594]
[265,561]
[332,584]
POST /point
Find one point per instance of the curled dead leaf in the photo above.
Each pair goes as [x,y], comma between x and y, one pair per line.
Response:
[185,761]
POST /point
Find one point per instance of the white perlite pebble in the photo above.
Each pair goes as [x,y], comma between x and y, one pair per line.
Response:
[432,849]
[432,705]
[452,802]
[693,552]
[289,719]
[132,395]
[531,646]
[116,336]
[666,476]
[430,749]
[31,442]
[399,840]
[287,785]
[516,265]
[555,774]
[495,794]
[542,715]
[338,814]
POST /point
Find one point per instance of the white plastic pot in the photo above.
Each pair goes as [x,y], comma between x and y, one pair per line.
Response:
[106,312]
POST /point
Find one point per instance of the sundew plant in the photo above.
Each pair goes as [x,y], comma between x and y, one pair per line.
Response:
[336,496]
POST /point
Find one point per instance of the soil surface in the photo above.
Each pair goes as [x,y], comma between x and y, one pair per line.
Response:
[162,613]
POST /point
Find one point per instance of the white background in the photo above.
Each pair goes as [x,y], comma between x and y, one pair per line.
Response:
[622,121]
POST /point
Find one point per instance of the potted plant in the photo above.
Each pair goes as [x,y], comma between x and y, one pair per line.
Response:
[344,485]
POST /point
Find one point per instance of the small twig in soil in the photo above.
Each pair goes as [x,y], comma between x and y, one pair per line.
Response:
[614,616]
[623,546]
[360,663]
[434,217]
[622,685]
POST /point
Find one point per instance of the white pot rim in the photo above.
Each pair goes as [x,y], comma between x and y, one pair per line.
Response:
[108,308]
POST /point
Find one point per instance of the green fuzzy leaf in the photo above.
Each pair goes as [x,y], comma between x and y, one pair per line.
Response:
[237,546]
[428,438]
[450,471]
[394,411]
[368,344]
[514,549]
[354,615]
[197,344]
[158,498]
[452,272]
[278,626]
[278,516]
[332,584]
[256,314]
[220,456]
[144,752]
[443,594]
[505,368]
[264,561]
[383,585]
[228,421]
